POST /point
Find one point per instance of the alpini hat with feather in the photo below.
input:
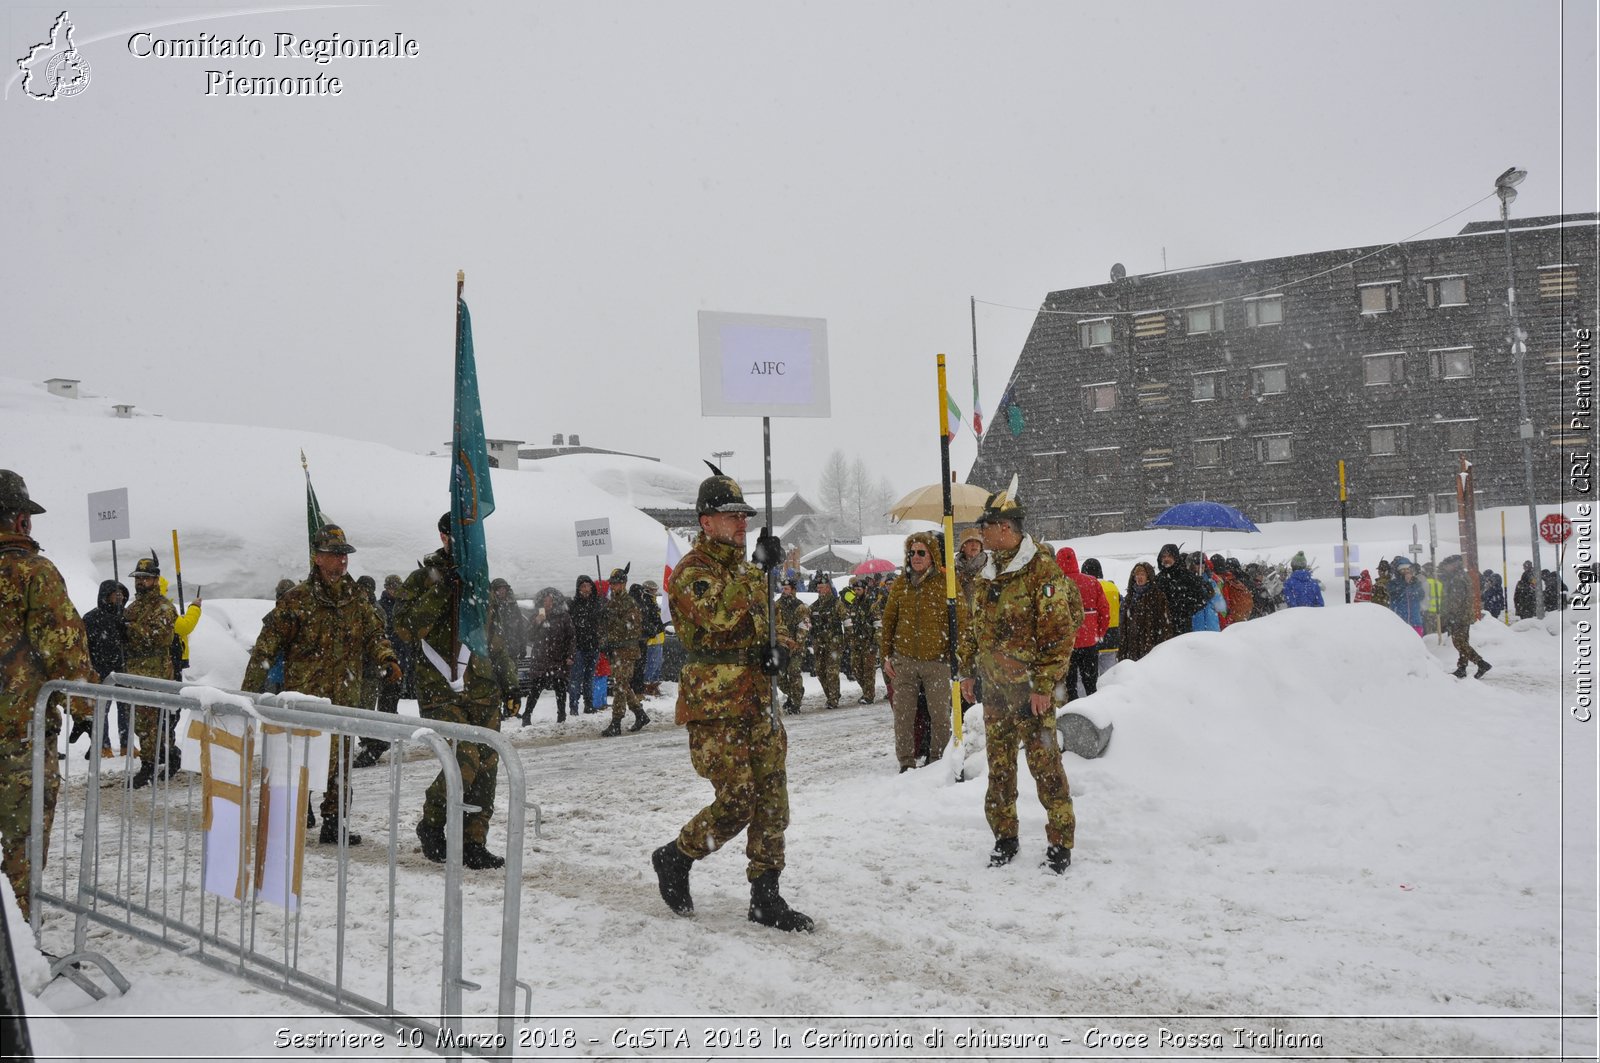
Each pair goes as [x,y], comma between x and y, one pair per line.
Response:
[720,493]
[147,566]
[1003,505]
[620,575]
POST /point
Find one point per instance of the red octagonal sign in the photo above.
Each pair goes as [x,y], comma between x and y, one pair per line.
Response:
[1555,528]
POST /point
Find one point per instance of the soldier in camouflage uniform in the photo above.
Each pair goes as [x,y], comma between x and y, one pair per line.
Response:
[372,673]
[719,605]
[827,637]
[1019,640]
[621,628]
[151,629]
[861,634]
[423,616]
[330,635]
[41,638]
[794,624]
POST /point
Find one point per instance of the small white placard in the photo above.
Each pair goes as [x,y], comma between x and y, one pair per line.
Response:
[763,365]
[108,515]
[594,536]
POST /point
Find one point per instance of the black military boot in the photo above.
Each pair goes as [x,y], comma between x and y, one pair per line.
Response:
[1058,858]
[367,757]
[672,876]
[330,833]
[1005,850]
[1483,666]
[433,843]
[142,777]
[768,908]
[640,718]
[478,857]
[613,729]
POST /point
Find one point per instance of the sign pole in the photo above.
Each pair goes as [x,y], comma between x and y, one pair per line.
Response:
[1505,568]
[949,559]
[1344,530]
[772,574]
[116,569]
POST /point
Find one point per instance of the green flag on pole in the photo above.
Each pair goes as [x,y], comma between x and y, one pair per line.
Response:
[471,494]
[314,518]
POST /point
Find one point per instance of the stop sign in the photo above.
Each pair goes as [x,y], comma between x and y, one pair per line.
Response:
[1555,528]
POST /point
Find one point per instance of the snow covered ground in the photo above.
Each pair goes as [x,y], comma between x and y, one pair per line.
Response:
[1302,824]
[1303,827]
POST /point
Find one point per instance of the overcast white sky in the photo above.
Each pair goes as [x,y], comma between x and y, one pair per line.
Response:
[604,170]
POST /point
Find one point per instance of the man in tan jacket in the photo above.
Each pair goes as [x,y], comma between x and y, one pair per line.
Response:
[915,648]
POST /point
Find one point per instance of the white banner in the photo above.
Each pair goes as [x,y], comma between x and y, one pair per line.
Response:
[108,515]
[763,365]
[594,536]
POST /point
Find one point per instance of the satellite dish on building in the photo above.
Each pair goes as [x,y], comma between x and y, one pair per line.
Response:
[1118,271]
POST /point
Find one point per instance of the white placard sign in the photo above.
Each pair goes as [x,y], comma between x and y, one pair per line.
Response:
[108,515]
[763,365]
[594,536]
[1348,569]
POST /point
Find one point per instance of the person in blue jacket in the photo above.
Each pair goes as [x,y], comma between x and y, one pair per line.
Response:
[1300,588]
[1407,592]
[1208,617]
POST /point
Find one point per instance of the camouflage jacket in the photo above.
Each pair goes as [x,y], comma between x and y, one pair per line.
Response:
[152,622]
[860,619]
[41,637]
[827,628]
[329,637]
[719,606]
[916,620]
[423,614]
[1024,623]
[621,626]
[794,622]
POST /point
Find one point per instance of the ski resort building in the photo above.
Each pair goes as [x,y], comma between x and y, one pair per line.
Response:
[1247,382]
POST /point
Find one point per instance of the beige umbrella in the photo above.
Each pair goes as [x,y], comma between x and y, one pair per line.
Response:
[927,503]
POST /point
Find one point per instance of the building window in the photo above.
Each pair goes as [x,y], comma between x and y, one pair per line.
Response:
[1271,450]
[1208,453]
[1047,466]
[1386,439]
[1098,398]
[1204,318]
[1267,310]
[1269,379]
[1391,505]
[1447,291]
[1389,368]
[1094,333]
[1380,298]
[1460,435]
[1101,523]
[1207,386]
[1102,463]
[1450,363]
[1268,512]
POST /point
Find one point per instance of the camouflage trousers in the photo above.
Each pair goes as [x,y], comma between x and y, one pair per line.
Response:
[624,661]
[826,657]
[1465,654]
[334,794]
[864,666]
[793,683]
[745,760]
[480,767]
[1004,730]
[155,740]
[16,812]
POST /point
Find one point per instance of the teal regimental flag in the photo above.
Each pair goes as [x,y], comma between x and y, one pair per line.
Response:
[471,495]
[314,516]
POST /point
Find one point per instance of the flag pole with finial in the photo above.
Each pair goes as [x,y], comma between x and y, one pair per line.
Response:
[455,585]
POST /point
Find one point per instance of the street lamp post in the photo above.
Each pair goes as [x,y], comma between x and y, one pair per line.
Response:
[722,456]
[1505,186]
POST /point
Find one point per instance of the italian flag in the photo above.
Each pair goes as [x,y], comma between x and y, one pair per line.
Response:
[952,416]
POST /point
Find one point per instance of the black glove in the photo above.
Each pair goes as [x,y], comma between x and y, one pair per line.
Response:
[774,659]
[768,553]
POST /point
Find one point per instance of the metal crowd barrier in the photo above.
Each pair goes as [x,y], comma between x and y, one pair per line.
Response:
[136,863]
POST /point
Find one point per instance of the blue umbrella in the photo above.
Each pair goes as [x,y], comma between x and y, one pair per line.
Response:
[1204,516]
